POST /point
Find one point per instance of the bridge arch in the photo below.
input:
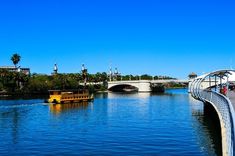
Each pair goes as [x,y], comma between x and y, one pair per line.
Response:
[144,85]
[123,87]
[206,89]
[141,85]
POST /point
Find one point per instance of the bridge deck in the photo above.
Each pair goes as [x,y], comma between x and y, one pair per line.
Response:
[231,95]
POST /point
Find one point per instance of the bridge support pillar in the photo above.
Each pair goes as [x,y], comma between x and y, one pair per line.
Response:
[144,87]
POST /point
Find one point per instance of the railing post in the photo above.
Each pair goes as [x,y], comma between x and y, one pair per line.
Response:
[210,81]
[215,83]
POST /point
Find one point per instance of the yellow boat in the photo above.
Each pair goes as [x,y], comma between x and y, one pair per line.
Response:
[61,96]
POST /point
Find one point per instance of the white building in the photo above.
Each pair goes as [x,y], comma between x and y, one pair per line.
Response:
[15,69]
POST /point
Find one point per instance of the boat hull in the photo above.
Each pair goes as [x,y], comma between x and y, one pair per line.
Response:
[60,97]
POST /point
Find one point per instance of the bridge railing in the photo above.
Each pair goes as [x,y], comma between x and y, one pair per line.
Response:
[226,114]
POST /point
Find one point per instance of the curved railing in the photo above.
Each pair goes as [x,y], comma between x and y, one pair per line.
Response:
[226,114]
[224,109]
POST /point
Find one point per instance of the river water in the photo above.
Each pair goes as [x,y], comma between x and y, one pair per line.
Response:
[113,124]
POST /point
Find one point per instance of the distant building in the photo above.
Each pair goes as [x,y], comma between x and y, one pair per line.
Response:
[116,75]
[15,69]
[55,70]
[192,75]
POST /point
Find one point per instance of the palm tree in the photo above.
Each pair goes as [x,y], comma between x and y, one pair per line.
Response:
[15,59]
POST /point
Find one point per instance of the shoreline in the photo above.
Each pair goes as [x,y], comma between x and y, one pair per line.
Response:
[34,95]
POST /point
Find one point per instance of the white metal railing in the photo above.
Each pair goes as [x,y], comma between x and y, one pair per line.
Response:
[226,110]
[221,103]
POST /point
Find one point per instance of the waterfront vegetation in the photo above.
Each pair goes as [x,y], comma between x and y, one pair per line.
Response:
[18,83]
[13,83]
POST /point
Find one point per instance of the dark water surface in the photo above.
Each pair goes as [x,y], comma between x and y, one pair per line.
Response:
[114,124]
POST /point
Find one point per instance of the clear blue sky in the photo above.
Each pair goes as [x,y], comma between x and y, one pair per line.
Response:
[158,37]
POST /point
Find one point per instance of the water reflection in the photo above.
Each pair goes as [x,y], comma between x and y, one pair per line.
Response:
[12,120]
[101,95]
[207,128]
[139,95]
[60,108]
[132,124]
[113,95]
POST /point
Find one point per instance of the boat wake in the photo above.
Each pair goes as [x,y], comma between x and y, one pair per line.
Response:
[21,105]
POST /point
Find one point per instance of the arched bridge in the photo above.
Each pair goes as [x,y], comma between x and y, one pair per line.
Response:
[213,88]
[143,85]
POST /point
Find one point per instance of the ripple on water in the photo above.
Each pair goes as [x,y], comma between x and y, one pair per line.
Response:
[114,124]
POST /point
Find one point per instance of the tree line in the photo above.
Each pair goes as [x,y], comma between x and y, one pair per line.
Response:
[16,82]
[20,83]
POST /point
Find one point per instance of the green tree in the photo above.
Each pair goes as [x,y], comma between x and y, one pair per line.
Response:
[146,77]
[104,77]
[15,59]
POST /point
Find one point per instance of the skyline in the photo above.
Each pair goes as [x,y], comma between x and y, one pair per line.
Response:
[151,37]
